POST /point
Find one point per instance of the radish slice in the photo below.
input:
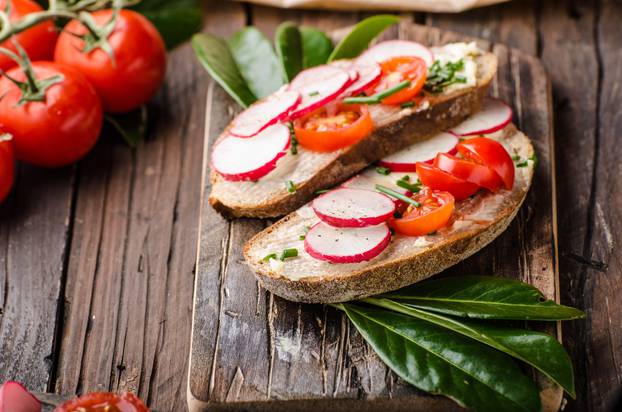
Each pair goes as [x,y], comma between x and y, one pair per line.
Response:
[346,245]
[425,151]
[368,75]
[237,158]
[494,116]
[346,207]
[318,86]
[263,114]
[395,48]
[15,398]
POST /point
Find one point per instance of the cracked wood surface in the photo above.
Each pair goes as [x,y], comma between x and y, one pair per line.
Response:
[97,260]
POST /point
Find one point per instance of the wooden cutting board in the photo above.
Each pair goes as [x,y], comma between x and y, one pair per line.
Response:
[252,350]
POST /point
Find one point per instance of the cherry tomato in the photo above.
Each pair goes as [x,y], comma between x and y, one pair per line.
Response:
[434,213]
[59,130]
[470,171]
[398,69]
[490,153]
[333,127]
[437,179]
[139,64]
[7,165]
[38,41]
[104,402]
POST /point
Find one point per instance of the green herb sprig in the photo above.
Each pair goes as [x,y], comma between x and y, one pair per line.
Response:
[441,75]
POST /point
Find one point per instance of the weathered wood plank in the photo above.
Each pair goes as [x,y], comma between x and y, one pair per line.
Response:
[130,272]
[34,236]
[567,43]
[603,275]
[267,350]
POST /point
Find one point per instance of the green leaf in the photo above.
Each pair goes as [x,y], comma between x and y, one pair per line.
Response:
[215,56]
[288,44]
[484,297]
[316,47]
[256,61]
[361,35]
[537,349]
[131,126]
[175,20]
[443,362]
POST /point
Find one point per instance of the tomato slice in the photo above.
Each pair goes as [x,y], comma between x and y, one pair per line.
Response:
[438,179]
[333,127]
[434,213]
[470,171]
[104,402]
[398,69]
[490,153]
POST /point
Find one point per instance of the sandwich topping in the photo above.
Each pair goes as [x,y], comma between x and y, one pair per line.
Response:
[331,107]
[434,187]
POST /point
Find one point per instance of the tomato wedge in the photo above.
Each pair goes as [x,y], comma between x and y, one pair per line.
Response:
[470,171]
[333,127]
[438,179]
[490,153]
[434,213]
[398,69]
[104,402]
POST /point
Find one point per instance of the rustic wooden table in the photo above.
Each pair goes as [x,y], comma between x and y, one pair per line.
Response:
[97,260]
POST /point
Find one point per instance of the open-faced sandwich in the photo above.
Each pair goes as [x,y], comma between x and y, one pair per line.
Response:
[420,211]
[332,121]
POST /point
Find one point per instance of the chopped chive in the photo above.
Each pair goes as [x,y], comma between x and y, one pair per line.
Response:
[377,98]
[270,256]
[361,100]
[383,170]
[534,159]
[293,147]
[406,178]
[522,164]
[415,188]
[389,92]
[397,195]
[314,93]
[291,186]
[320,192]
[288,253]
[516,158]
[301,237]
[406,105]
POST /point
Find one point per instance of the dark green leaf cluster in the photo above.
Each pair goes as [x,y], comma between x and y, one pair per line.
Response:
[429,335]
[442,75]
[175,20]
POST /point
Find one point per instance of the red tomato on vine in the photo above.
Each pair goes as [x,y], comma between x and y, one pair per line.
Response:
[130,71]
[38,41]
[57,121]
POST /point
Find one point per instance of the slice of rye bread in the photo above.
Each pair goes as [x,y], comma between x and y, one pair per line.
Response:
[396,128]
[476,222]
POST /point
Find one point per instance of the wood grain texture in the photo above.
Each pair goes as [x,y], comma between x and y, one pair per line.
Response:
[34,237]
[256,351]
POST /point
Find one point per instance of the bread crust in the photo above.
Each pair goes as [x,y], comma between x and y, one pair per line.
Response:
[381,275]
[445,111]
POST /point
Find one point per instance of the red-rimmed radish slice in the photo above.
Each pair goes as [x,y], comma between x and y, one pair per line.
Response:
[265,113]
[15,398]
[346,244]
[346,207]
[494,116]
[318,86]
[369,74]
[237,158]
[424,151]
[396,48]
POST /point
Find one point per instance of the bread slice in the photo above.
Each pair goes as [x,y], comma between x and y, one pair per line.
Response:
[477,221]
[396,128]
